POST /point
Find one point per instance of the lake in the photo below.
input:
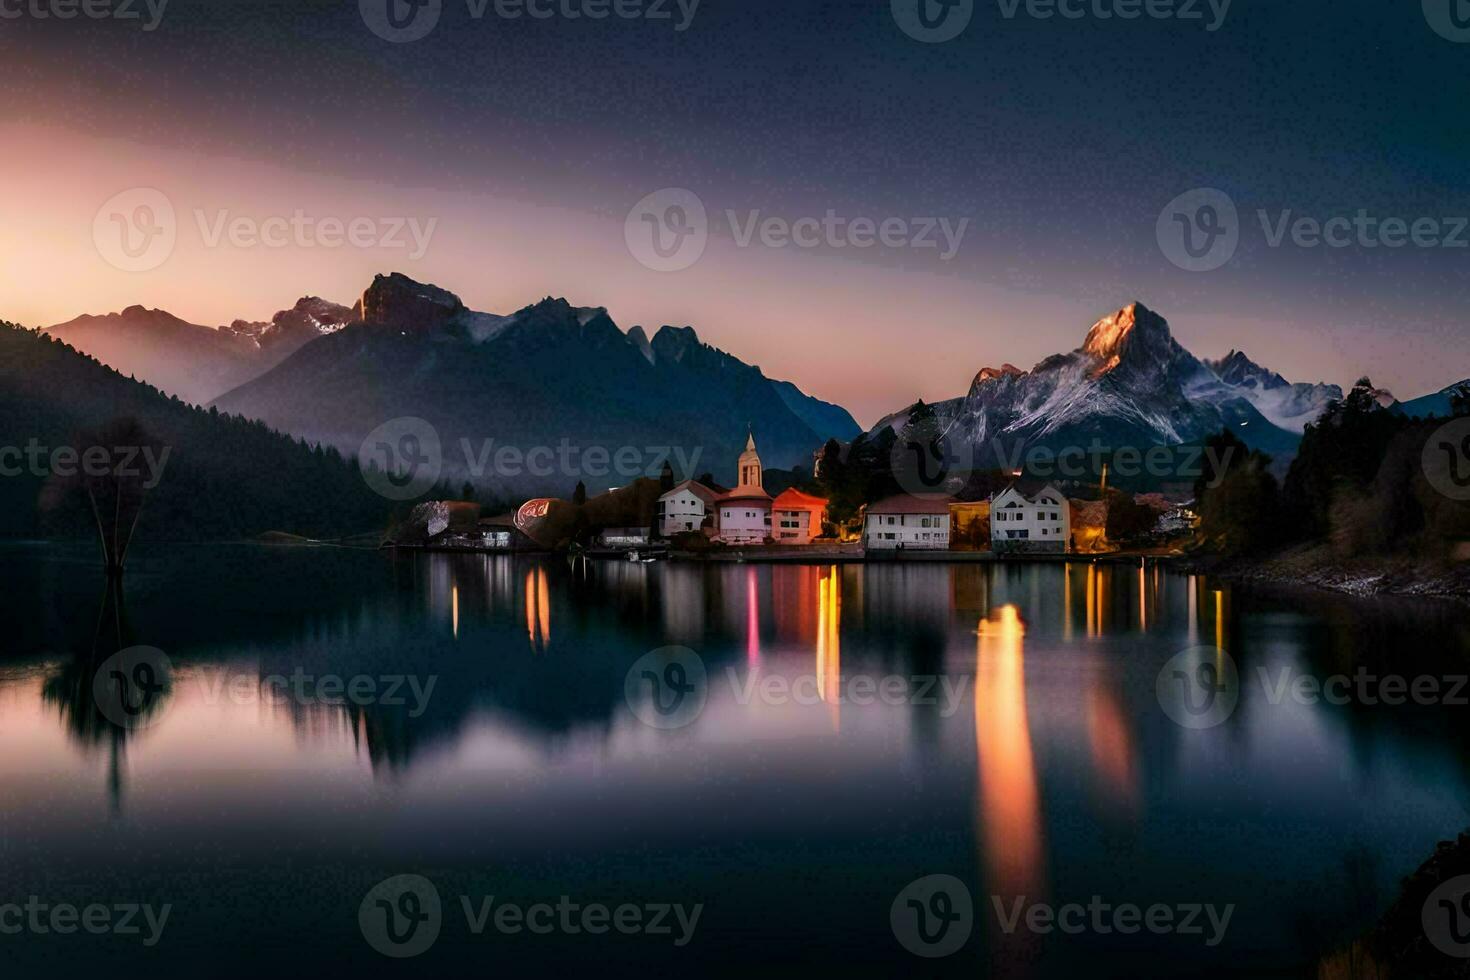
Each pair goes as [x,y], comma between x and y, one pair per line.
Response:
[721,768]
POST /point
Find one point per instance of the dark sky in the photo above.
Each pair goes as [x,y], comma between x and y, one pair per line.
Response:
[1060,140]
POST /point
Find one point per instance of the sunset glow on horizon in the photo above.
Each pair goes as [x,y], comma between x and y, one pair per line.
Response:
[522,178]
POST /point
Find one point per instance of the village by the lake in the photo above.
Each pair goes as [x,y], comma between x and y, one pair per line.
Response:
[697,519]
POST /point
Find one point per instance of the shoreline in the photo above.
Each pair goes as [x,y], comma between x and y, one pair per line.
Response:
[1314,567]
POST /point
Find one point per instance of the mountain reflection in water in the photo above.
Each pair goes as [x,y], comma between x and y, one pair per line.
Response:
[996,722]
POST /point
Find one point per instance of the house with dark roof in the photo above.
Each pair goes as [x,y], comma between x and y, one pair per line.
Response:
[906,522]
[1042,523]
[686,508]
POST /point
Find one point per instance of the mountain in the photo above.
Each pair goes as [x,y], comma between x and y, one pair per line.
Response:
[1435,404]
[311,317]
[1130,383]
[221,477]
[1286,405]
[819,416]
[556,376]
[195,362]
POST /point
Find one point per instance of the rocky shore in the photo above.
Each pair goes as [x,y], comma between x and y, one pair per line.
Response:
[1410,942]
[1317,567]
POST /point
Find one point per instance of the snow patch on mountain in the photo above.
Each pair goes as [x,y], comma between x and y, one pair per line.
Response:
[1130,383]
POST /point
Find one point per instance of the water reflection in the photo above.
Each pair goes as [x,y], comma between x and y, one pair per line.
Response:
[78,689]
[1078,783]
[829,643]
[538,609]
[1010,808]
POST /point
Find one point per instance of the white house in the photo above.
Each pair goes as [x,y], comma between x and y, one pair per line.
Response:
[745,512]
[907,523]
[684,508]
[1039,524]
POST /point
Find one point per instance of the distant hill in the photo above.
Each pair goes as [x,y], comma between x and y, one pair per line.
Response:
[196,362]
[223,477]
[1435,404]
[549,375]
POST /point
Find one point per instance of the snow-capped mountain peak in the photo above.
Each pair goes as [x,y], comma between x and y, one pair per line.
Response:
[1130,383]
[1235,368]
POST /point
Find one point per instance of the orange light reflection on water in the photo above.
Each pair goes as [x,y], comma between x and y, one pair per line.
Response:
[1010,804]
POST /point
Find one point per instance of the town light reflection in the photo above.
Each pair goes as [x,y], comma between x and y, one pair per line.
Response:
[829,643]
[538,609]
[1009,805]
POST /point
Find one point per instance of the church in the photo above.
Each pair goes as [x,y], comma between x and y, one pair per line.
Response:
[745,515]
[745,512]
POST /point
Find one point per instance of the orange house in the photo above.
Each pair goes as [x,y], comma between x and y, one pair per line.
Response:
[797,517]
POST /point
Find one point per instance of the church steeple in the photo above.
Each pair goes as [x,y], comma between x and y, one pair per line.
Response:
[750,465]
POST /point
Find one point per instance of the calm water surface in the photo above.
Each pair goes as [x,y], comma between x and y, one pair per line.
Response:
[1019,745]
